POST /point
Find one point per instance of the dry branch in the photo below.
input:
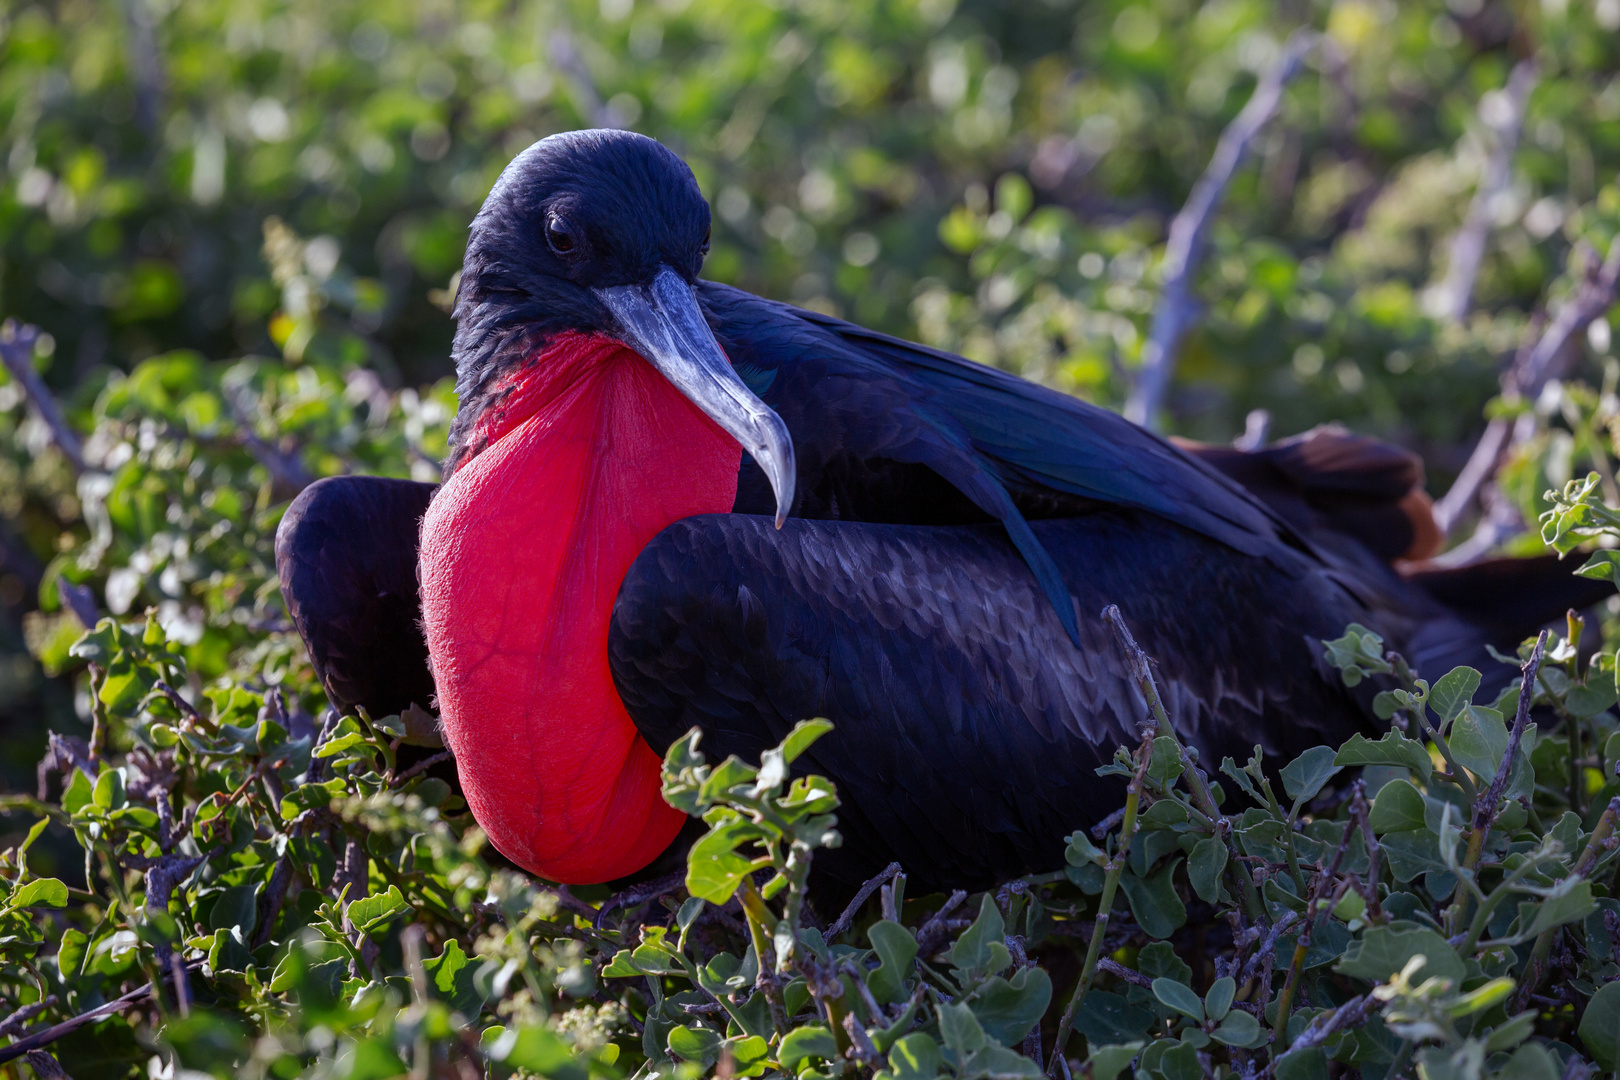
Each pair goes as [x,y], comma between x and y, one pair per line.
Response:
[17,353]
[1177,309]
[1538,361]
[1456,290]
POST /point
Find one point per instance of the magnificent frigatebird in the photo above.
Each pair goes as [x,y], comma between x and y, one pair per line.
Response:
[671,503]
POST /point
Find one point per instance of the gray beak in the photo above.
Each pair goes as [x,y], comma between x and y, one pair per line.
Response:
[662,322]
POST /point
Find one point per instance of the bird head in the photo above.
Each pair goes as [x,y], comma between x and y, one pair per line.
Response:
[601,232]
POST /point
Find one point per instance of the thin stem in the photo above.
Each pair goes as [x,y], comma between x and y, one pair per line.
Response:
[1197,782]
[1105,903]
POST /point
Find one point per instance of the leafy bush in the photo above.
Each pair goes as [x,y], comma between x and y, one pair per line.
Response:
[306,905]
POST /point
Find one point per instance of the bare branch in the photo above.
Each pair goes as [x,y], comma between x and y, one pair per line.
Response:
[1178,309]
[843,921]
[582,84]
[287,473]
[51,1034]
[1485,811]
[1456,291]
[17,353]
[1541,359]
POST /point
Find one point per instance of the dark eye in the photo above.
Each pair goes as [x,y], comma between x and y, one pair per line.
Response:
[558,235]
[703,250]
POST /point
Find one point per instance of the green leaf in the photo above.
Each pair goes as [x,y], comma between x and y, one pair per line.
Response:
[374,912]
[1179,998]
[1478,740]
[960,1029]
[1452,693]
[1515,1031]
[1571,899]
[980,950]
[1382,951]
[1008,1010]
[1205,866]
[1081,851]
[1238,1029]
[896,947]
[804,733]
[1307,774]
[1412,852]
[701,1045]
[1105,1017]
[108,793]
[998,1063]
[1308,1064]
[1165,764]
[530,1047]
[1530,1062]
[915,1057]
[714,869]
[1109,1061]
[1397,807]
[44,892]
[452,977]
[1218,1002]
[1154,903]
[78,794]
[749,1054]
[236,906]
[1602,566]
[1393,749]
[815,1041]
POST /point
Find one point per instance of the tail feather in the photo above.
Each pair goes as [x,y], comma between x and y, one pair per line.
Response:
[1510,599]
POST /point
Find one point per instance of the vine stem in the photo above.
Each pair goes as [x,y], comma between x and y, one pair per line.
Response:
[1105,903]
[1197,783]
[758,917]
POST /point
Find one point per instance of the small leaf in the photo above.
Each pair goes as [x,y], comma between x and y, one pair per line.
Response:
[804,733]
[1205,866]
[815,1041]
[1218,1002]
[1478,739]
[1154,903]
[897,949]
[1571,899]
[1307,774]
[1107,1062]
[980,951]
[1600,1027]
[1082,851]
[1181,998]
[1393,749]
[45,892]
[1397,807]
[915,1057]
[1165,765]
[1383,951]
[1452,693]
[1237,1029]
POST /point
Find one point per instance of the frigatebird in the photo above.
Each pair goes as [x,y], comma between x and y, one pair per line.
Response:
[670,503]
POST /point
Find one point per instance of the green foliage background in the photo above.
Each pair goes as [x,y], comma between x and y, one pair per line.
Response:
[238,225]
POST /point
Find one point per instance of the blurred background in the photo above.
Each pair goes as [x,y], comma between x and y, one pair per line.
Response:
[237,226]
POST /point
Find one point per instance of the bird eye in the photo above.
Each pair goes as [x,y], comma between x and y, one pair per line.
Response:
[558,235]
[703,250]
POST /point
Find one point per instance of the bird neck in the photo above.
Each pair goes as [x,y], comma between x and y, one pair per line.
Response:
[588,455]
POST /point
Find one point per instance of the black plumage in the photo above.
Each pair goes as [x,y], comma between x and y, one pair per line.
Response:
[954,534]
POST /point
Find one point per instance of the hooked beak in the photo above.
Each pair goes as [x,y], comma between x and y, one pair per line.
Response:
[662,322]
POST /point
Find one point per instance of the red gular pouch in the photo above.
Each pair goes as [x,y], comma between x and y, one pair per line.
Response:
[523,552]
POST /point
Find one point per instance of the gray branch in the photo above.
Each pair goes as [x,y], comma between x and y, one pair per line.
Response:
[1541,359]
[1467,252]
[1178,309]
[17,353]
